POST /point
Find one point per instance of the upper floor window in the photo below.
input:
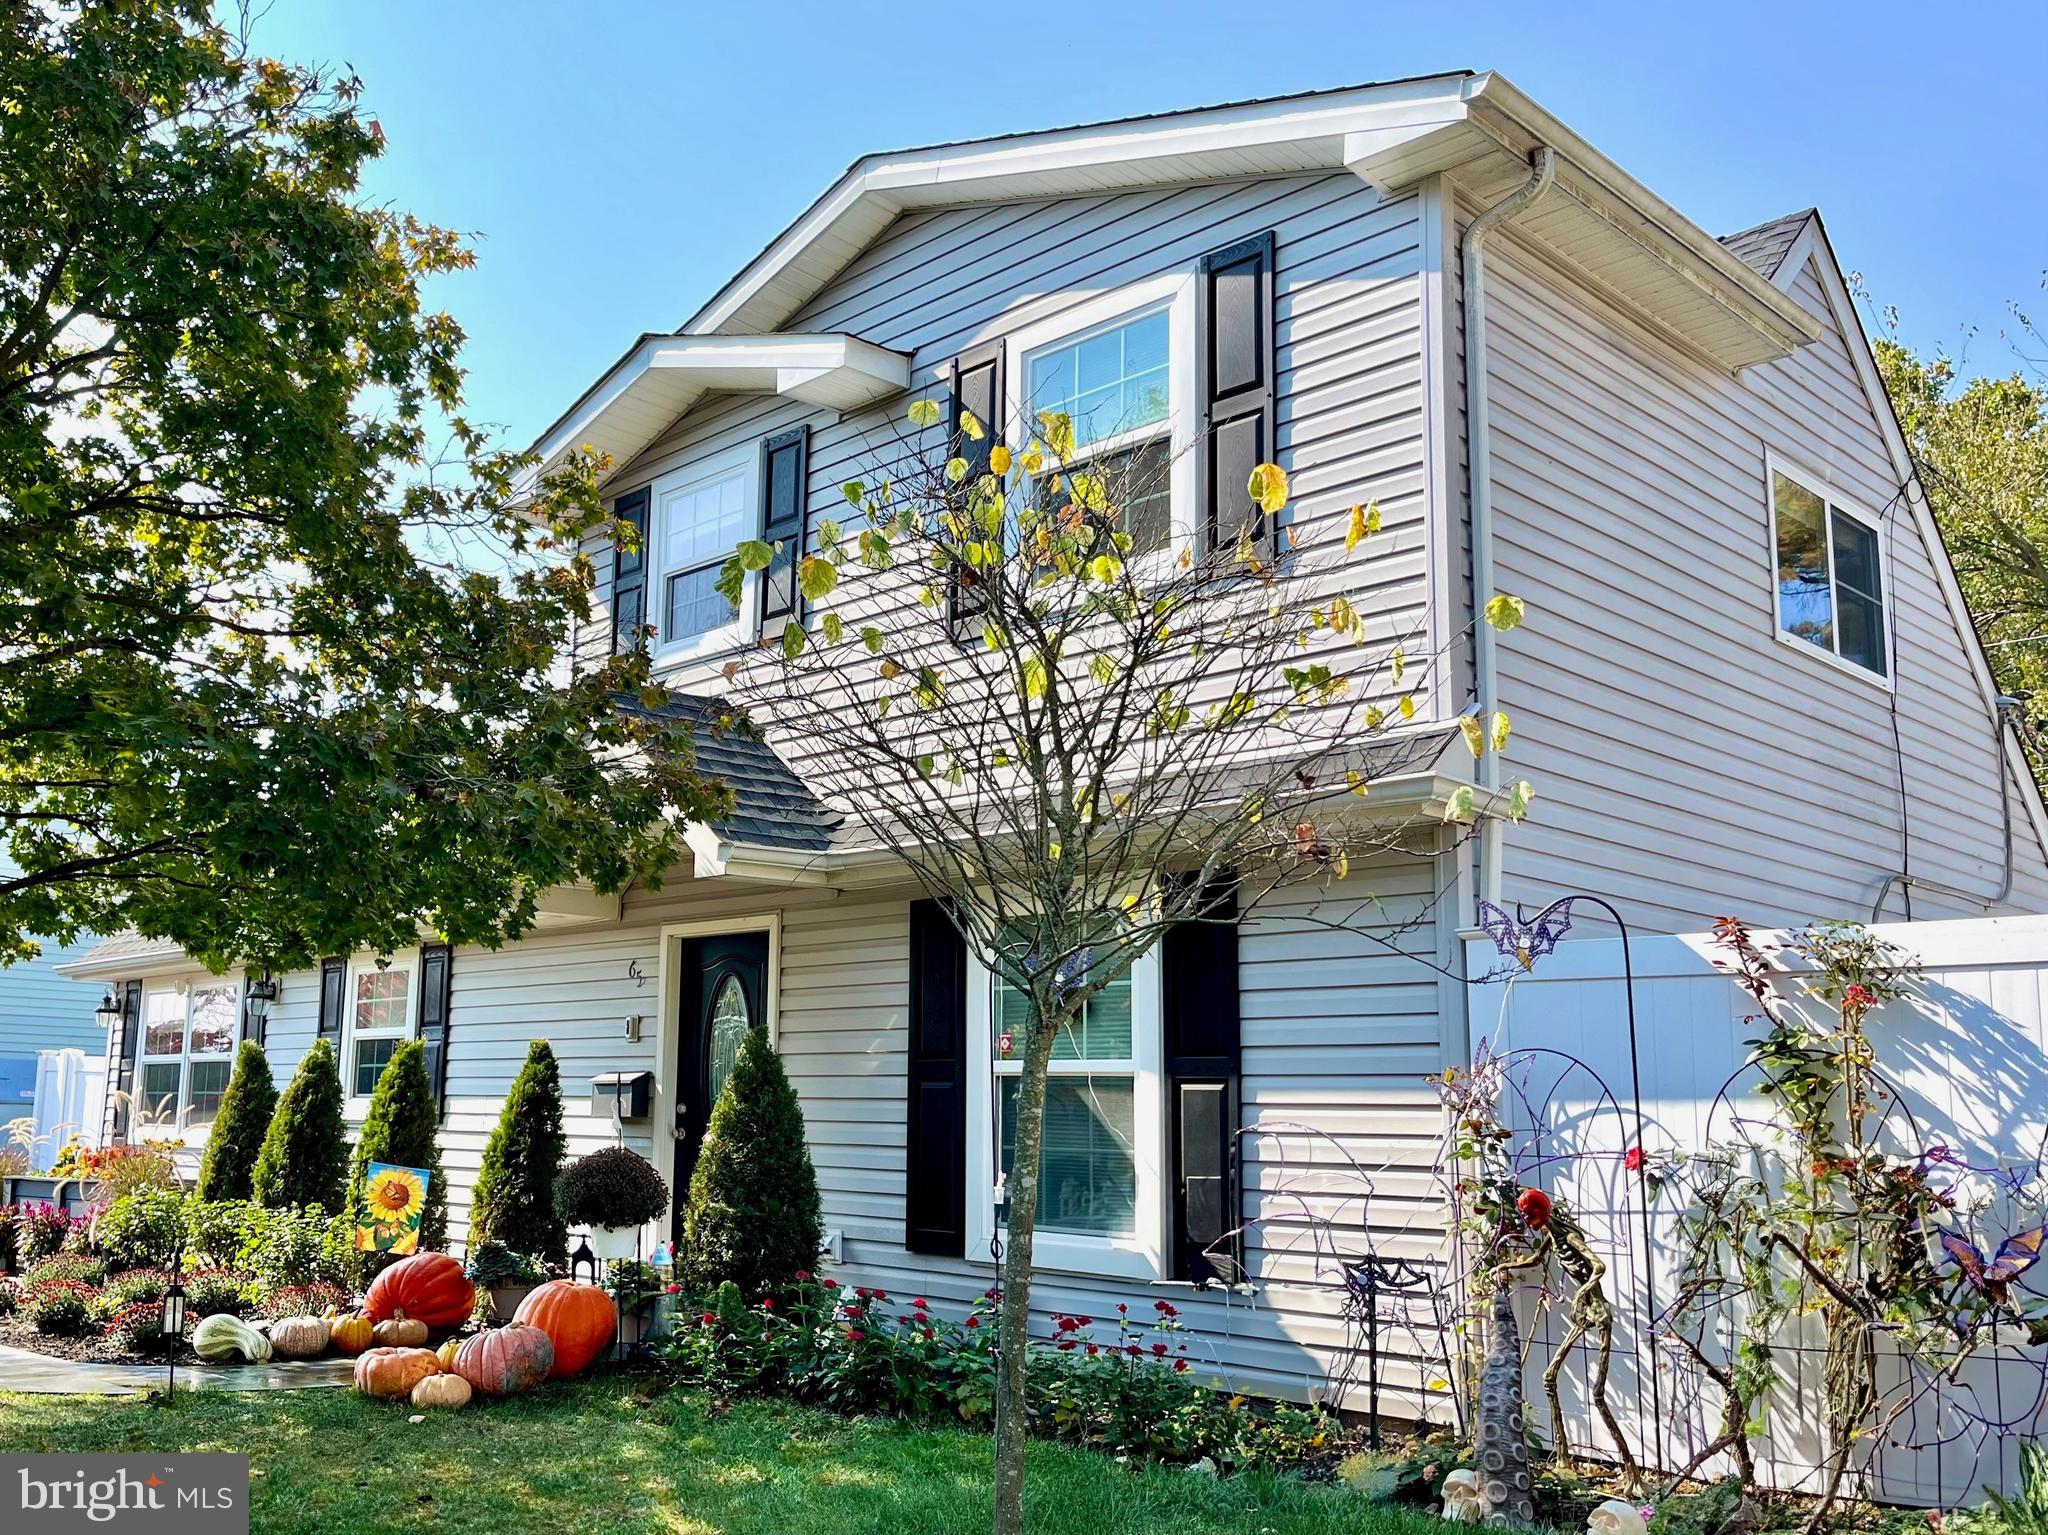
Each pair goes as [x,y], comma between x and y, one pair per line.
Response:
[188,1043]
[1121,369]
[1830,574]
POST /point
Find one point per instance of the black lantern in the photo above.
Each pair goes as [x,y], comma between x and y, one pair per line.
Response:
[108,1013]
[584,1256]
[261,994]
[172,1326]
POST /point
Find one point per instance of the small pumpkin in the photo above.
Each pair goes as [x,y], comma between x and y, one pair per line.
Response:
[447,1351]
[581,1321]
[224,1335]
[298,1337]
[428,1287]
[443,1390]
[505,1360]
[351,1332]
[393,1372]
[401,1331]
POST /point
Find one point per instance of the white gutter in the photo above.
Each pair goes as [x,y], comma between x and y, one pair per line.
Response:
[1479,458]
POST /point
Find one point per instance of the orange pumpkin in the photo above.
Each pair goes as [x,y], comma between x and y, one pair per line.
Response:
[579,1319]
[505,1360]
[351,1332]
[394,1371]
[428,1287]
[401,1331]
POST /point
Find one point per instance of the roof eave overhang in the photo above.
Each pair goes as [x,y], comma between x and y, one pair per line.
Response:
[657,381]
[1600,221]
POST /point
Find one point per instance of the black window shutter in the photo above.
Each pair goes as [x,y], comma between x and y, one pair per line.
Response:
[629,574]
[785,521]
[333,998]
[434,973]
[935,1175]
[1234,381]
[1199,995]
[977,388]
[122,1050]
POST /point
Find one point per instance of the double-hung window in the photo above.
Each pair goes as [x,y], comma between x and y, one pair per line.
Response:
[1121,369]
[379,1020]
[1101,1197]
[701,514]
[1829,574]
[188,1045]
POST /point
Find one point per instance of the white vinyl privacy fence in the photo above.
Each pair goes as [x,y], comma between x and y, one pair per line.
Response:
[1964,1056]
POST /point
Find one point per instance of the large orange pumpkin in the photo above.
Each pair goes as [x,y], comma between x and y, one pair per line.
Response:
[394,1371]
[579,1319]
[428,1287]
[505,1360]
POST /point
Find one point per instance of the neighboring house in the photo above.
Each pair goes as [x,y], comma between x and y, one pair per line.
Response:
[1747,684]
[41,1010]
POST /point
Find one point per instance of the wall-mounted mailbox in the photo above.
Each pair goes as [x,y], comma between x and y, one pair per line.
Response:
[628,1093]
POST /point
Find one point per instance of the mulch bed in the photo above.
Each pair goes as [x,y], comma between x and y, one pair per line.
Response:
[91,1349]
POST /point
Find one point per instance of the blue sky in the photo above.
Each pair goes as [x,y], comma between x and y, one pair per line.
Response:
[618,161]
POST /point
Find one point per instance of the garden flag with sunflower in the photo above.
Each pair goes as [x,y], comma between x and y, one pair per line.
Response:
[394,1199]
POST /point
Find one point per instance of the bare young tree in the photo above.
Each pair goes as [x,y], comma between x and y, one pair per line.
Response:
[1078,725]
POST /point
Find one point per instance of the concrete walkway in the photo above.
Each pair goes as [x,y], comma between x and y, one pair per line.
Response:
[24,1370]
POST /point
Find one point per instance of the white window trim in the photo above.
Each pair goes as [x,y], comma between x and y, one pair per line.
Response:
[1820,485]
[407,960]
[1141,1256]
[744,461]
[1173,292]
[184,989]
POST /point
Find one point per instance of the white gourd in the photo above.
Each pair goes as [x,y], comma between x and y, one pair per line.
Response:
[220,1336]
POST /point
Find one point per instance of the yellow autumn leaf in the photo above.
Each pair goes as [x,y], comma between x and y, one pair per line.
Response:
[1501,729]
[1504,612]
[1475,738]
[970,423]
[999,459]
[1459,806]
[1268,488]
[1407,706]
[924,413]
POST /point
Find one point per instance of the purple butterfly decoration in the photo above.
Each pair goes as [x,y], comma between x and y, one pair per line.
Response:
[2016,1254]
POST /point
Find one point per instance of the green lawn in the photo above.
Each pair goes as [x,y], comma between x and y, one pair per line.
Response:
[596,1457]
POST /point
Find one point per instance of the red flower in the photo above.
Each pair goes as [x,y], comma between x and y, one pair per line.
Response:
[1159,1350]
[803,1276]
[928,1335]
[854,1335]
[1065,1344]
[1134,1351]
[831,1284]
[675,1289]
[1093,1350]
[903,1319]
[861,1291]
[881,1294]
[1164,1308]
[708,1318]
[1634,1160]
[1534,1206]
[920,1304]
[1179,1365]
[1122,1309]
[1858,999]
[767,1304]
[974,1321]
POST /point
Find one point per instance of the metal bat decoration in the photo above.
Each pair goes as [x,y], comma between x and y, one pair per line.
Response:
[1527,941]
[2016,1254]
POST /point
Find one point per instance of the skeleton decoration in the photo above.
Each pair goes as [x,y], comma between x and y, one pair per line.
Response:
[1506,1489]
[1615,1517]
[1461,1497]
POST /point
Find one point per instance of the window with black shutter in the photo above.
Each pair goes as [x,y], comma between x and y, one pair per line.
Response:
[785,466]
[977,389]
[1234,384]
[935,1109]
[629,574]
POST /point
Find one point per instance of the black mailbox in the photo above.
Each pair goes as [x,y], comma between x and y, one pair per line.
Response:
[629,1094]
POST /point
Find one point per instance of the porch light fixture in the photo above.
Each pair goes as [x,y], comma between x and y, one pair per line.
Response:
[108,1013]
[582,1256]
[262,992]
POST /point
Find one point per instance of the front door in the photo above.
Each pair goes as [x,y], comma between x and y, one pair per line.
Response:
[724,994]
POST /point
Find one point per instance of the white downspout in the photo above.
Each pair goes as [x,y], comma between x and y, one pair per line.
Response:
[1479,472]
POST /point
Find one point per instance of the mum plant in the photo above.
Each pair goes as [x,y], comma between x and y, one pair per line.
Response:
[612,1187]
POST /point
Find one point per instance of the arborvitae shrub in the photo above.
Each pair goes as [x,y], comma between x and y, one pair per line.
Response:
[228,1170]
[514,1201]
[400,1130]
[304,1160]
[752,1216]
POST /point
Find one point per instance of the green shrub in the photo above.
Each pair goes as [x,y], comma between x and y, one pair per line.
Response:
[67,1266]
[304,1160]
[493,1263]
[296,1247]
[10,1297]
[219,1231]
[142,1229]
[400,1131]
[316,1299]
[228,1170]
[132,1287]
[59,1308]
[611,1187]
[211,1291]
[753,1213]
[514,1201]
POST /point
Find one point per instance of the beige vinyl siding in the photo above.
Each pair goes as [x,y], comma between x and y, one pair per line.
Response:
[1688,763]
[1349,413]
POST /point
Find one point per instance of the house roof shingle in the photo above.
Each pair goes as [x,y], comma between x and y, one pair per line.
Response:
[1763,247]
[773,807]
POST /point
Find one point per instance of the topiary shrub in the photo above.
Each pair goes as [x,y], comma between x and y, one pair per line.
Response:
[304,1160]
[514,1201]
[753,1215]
[143,1229]
[228,1170]
[400,1130]
[612,1187]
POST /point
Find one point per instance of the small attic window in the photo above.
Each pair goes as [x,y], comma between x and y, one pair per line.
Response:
[1830,575]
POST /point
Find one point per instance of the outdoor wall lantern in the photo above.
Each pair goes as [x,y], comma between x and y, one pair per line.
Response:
[108,1013]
